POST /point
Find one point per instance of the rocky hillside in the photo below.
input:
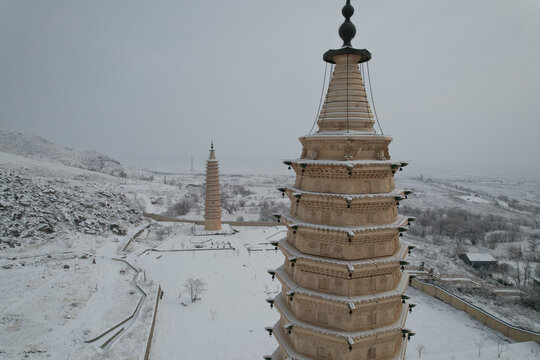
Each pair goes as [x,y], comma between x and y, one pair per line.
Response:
[40,201]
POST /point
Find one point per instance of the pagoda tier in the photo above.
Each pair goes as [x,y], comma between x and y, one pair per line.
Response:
[341,277]
[345,209]
[347,313]
[345,243]
[345,176]
[287,351]
[342,280]
[212,206]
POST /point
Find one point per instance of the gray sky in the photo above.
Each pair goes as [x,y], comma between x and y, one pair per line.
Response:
[456,83]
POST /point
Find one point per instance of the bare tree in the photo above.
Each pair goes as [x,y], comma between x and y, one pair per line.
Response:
[500,349]
[518,274]
[515,252]
[162,232]
[420,348]
[195,287]
[182,207]
[534,244]
[526,272]
[479,344]
[213,312]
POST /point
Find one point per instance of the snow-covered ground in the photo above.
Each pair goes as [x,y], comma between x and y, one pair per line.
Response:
[474,198]
[56,297]
[231,315]
[228,323]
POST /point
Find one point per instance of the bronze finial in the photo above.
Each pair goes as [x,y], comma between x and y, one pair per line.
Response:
[347,30]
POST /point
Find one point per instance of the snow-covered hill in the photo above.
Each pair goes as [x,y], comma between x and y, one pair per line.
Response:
[36,147]
[41,201]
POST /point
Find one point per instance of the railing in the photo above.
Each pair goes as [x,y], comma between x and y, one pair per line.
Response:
[151,334]
[135,236]
[516,333]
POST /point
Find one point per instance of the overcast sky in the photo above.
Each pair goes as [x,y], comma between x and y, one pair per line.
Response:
[150,83]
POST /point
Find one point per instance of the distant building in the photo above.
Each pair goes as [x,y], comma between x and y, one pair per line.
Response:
[478,260]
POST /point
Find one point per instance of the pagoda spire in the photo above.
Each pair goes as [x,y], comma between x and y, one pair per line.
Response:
[212,153]
[342,280]
[347,30]
[346,107]
[212,205]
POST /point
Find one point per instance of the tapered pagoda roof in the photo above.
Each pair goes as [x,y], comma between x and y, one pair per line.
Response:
[346,107]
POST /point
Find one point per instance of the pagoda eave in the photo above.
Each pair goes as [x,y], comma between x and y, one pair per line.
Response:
[365,55]
[345,163]
[294,192]
[347,136]
[290,251]
[290,221]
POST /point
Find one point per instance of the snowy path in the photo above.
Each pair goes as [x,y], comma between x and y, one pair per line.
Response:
[109,337]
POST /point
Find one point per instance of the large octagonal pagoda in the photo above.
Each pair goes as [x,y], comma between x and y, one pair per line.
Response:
[342,281]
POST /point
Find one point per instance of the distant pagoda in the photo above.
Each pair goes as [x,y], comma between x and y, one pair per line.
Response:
[212,205]
[342,281]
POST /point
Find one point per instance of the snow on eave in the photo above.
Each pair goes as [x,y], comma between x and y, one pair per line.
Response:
[346,133]
[396,192]
[401,221]
[283,342]
[347,163]
[282,275]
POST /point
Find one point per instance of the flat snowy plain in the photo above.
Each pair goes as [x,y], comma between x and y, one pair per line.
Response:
[54,298]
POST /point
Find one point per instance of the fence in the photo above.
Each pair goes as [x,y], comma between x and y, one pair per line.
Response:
[513,332]
[149,342]
[464,280]
[135,236]
[201,222]
[144,295]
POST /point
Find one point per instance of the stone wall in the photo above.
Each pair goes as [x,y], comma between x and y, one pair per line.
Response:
[513,332]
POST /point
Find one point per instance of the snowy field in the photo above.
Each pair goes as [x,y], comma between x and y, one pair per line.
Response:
[78,302]
[232,313]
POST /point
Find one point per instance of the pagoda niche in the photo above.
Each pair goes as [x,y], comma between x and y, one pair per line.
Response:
[342,281]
